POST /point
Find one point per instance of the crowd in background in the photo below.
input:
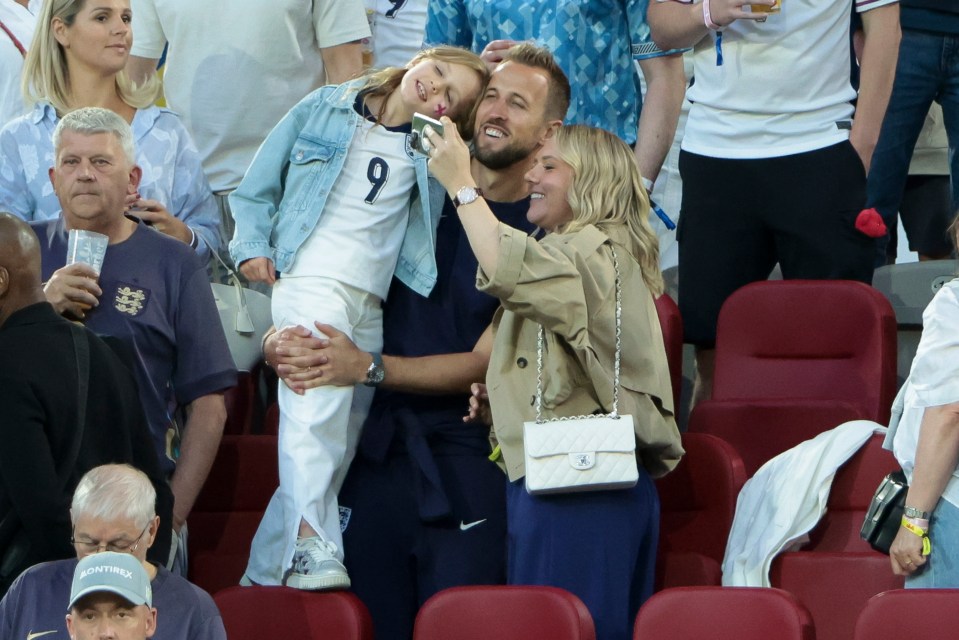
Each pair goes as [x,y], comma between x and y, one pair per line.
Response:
[414,279]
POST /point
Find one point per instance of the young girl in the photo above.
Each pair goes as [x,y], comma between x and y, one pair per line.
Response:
[338,202]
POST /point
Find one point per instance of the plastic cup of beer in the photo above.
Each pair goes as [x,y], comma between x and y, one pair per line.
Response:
[87,247]
[763,8]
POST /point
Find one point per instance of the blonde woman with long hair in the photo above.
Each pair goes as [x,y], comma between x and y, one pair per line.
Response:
[77,59]
[587,195]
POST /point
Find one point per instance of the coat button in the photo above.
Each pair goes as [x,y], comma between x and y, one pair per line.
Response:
[521,363]
[299,155]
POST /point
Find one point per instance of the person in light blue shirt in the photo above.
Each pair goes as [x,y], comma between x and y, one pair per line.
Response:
[78,60]
[595,42]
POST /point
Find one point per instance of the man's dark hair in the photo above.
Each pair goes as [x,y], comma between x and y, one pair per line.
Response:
[530,55]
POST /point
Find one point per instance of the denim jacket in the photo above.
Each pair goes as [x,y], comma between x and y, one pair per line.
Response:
[284,192]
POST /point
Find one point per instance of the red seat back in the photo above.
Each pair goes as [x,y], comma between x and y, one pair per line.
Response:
[762,429]
[258,613]
[672,325]
[808,339]
[834,586]
[504,613]
[229,508]
[697,503]
[898,614]
[723,613]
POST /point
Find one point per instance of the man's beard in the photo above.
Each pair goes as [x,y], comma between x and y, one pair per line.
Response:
[502,158]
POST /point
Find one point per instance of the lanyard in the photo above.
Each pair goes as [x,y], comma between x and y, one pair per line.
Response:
[16,43]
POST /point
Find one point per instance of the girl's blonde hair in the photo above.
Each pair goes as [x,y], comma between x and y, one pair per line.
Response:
[383,82]
[45,75]
[607,192]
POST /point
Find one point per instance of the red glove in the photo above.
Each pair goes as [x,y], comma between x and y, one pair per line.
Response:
[870,223]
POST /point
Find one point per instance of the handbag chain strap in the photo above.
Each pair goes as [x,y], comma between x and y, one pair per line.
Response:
[541,342]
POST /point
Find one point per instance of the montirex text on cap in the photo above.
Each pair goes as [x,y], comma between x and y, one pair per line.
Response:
[119,573]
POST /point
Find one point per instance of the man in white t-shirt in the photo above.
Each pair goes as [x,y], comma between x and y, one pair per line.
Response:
[773,165]
[16,31]
[232,76]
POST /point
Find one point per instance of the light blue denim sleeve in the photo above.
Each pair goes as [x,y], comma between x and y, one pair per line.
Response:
[16,154]
[447,22]
[257,199]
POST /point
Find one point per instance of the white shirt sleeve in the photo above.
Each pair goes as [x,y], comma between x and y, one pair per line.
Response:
[339,21]
[934,377]
[149,38]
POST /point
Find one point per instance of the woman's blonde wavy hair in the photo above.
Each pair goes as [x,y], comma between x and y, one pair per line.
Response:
[607,192]
[45,75]
[383,82]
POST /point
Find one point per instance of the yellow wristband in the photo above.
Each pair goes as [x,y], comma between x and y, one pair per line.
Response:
[926,544]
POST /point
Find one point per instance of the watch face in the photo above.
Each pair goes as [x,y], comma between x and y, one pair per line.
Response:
[375,375]
[466,195]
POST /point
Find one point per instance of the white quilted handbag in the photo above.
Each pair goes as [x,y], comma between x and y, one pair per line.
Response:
[581,453]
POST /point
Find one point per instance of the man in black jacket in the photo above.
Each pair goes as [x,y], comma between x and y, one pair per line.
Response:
[40,387]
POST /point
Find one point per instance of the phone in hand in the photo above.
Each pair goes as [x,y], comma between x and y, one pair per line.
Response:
[420,121]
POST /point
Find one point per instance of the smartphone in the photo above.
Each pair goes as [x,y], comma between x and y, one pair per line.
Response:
[420,121]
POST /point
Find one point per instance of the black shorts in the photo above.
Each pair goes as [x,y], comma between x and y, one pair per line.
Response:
[740,217]
[926,214]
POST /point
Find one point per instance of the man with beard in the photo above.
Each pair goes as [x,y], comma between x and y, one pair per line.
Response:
[423,508]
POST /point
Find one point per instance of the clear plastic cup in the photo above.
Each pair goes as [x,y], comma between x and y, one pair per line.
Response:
[87,247]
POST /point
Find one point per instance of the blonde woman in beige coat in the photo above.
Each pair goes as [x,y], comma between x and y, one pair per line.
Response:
[587,195]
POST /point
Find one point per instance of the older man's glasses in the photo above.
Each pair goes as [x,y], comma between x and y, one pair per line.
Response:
[120,545]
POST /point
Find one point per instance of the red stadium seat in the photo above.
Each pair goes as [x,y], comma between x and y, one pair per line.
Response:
[698,500]
[796,357]
[762,429]
[239,405]
[836,573]
[504,613]
[898,614]
[723,613]
[271,424]
[229,508]
[672,325]
[258,613]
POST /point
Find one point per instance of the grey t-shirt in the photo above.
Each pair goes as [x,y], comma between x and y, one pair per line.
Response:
[36,606]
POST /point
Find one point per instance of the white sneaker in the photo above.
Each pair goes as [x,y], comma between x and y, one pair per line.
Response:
[315,566]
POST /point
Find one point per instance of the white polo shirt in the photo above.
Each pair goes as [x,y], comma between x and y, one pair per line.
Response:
[783,86]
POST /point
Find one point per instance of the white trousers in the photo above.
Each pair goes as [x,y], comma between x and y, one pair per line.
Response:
[319,430]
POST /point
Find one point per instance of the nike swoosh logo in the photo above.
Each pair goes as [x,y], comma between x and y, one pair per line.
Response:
[31,636]
[463,527]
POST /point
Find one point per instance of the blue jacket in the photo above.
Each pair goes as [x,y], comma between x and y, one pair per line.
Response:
[284,192]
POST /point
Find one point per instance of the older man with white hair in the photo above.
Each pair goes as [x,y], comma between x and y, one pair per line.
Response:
[152,293]
[112,511]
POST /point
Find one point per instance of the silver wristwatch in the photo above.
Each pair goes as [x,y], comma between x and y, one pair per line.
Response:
[376,372]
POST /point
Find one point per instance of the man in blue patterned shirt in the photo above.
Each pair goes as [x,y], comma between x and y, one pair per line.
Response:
[595,42]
